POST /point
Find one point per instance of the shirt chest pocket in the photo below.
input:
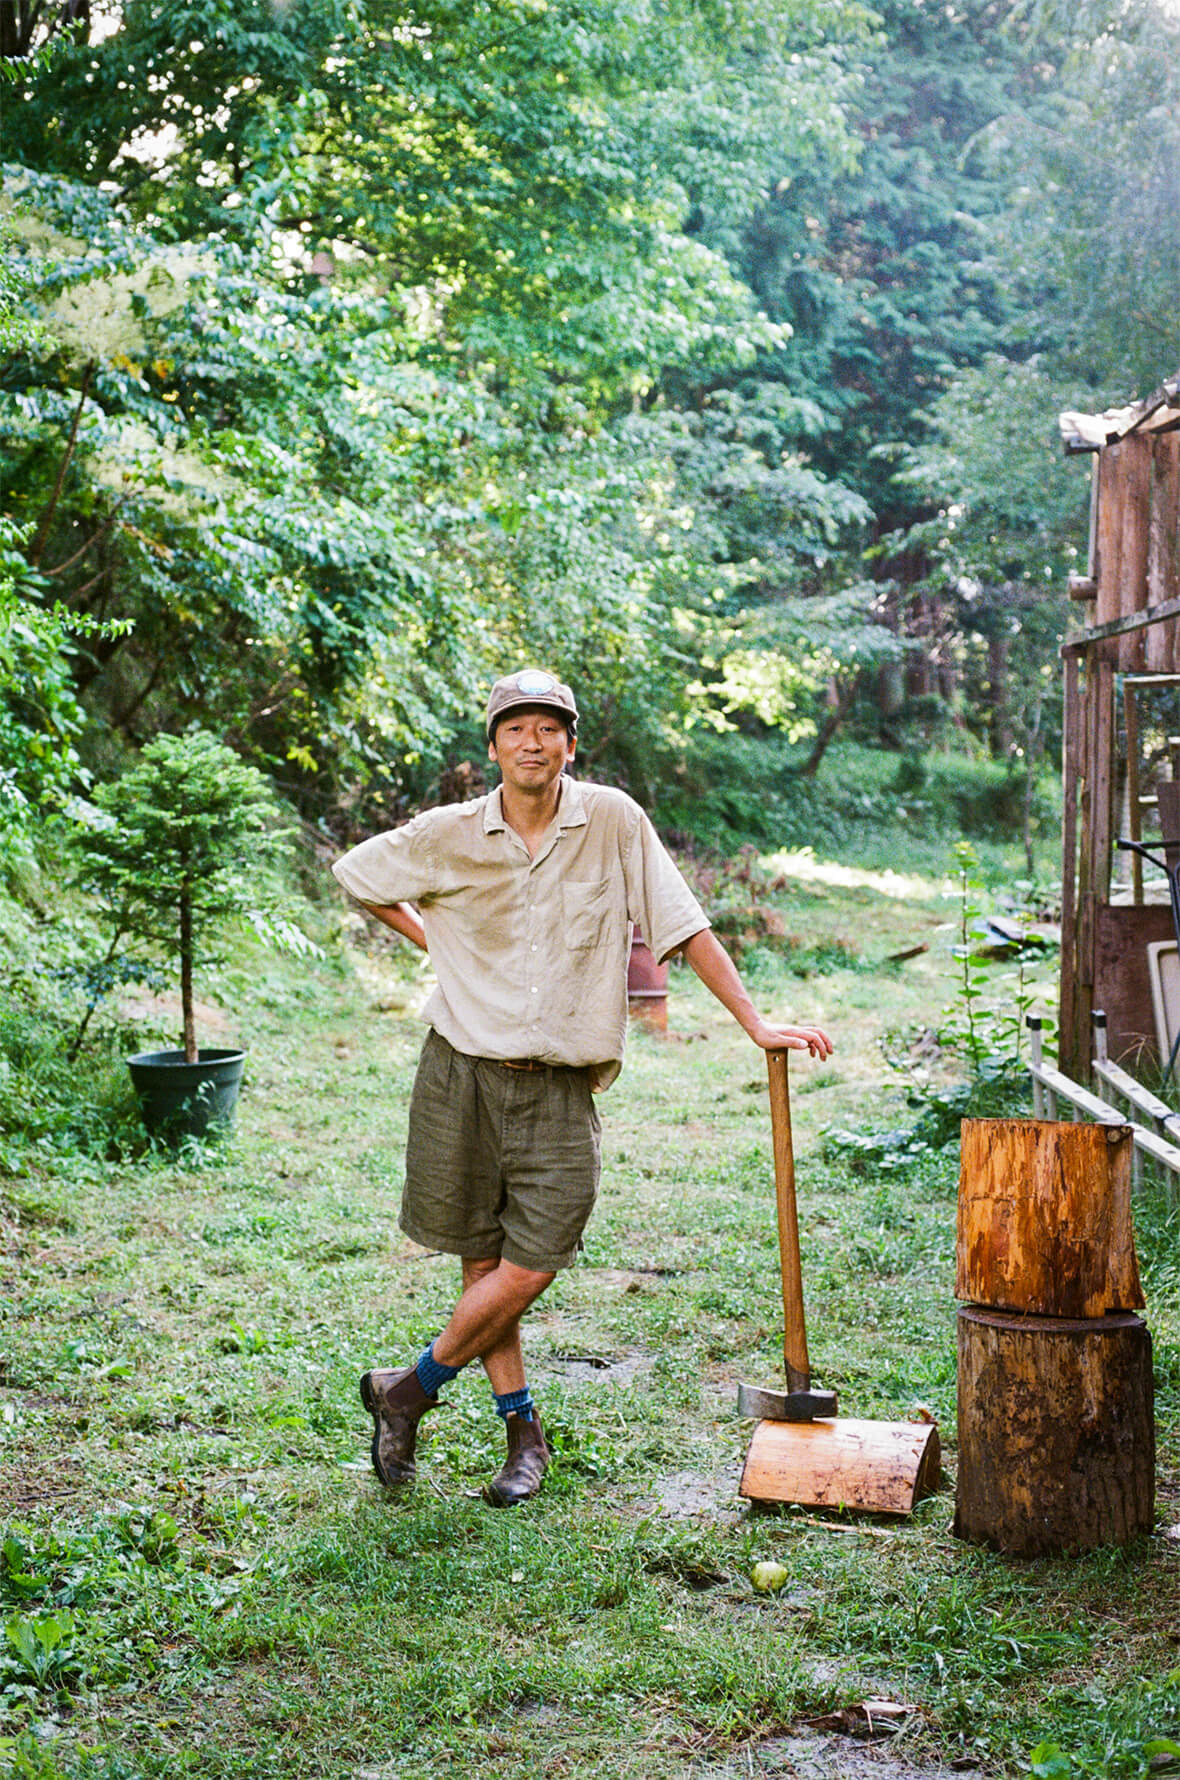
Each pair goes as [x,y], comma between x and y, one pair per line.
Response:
[588,915]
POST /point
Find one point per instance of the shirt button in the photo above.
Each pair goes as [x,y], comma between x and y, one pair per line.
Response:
[533,990]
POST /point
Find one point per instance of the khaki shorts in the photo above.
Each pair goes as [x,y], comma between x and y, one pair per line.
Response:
[500,1162]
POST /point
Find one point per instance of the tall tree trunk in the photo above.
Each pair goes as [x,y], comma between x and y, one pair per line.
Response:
[831,724]
[21,23]
[186,975]
[1032,755]
[999,717]
[40,541]
[920,675]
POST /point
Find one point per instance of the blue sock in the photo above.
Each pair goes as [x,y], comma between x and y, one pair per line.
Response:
[432,1372]
[516,1403]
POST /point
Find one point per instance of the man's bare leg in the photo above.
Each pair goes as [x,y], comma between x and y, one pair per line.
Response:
[504,1363]
[496,1294]
[485,1324]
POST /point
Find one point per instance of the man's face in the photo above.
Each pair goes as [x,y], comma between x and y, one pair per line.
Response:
[531,746]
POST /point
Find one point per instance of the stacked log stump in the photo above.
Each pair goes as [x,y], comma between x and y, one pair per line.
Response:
[1056,1418]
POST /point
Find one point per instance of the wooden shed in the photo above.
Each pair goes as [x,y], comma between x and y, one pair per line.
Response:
[1126,657]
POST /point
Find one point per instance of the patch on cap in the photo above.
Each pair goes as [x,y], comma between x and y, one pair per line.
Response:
[531,686]
[533,682]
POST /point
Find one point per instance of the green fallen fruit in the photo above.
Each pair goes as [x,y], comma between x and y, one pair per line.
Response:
[767,1576]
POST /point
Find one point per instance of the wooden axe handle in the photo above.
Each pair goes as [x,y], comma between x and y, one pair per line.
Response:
[794,1329]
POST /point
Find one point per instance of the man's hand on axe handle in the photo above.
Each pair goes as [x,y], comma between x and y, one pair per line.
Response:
[791,1038]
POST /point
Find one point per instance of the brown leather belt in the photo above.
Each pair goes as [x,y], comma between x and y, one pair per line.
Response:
[523,1063]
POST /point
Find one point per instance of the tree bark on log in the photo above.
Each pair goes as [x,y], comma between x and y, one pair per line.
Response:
[1056,1432]
[1045,1218]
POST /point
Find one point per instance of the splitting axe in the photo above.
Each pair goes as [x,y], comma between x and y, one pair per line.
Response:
[801,1452]
[799,1402]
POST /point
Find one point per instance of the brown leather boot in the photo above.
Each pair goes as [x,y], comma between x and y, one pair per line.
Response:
[396,1402]
[525,1466]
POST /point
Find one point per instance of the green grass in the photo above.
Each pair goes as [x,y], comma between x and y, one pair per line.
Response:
[202,1577]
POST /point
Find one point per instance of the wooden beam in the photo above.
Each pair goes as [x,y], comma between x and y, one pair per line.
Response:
[1163,543]
[1134,805]
[1134,521]
[1158,1148]
[1102,807]
[1093,432]
[1075,1039]
[1071,766]
[1141,1098]
[1111,487]
[1118,627]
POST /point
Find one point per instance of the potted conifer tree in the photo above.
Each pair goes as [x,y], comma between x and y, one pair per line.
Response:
[182,845]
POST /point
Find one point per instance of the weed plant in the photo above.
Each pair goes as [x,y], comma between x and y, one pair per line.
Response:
[55,1105]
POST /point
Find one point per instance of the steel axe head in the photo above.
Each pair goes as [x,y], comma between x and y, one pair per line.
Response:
[785,1406]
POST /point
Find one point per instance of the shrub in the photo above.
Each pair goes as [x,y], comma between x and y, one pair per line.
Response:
[182,846]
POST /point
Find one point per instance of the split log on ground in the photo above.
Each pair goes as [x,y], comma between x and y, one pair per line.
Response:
[882,1467]
[1056,1432]
[1045,1218]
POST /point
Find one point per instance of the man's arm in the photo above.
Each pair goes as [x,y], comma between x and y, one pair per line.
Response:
[402,918]
[718,972]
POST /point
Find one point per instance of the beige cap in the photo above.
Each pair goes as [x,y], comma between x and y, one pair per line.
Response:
[531,686]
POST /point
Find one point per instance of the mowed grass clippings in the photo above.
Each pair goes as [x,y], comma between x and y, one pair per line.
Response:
[201,1574]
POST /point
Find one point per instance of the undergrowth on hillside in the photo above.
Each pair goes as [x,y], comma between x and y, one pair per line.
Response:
[864,803]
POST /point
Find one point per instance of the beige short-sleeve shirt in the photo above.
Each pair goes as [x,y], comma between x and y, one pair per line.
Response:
[530,955]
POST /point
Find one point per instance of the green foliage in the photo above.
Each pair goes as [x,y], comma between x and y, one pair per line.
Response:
[998,1090]
[1088,245]
[740,896]
[365,419]
[40,716]
[985,1023]
[963,1026]
[1110,1739]
[191,825]
[180,844]
[83,1602]
[41,1649]
[404,345]
[727,790]
[19,328]
[29,1759]
[1012,506]
[1008,523]
[53,1101]
[982,1030]
[346,591]
[253,593]
[1092,236]
[530,165]
[877,267]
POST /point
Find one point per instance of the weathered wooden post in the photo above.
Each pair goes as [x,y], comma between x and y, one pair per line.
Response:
[1056,1423]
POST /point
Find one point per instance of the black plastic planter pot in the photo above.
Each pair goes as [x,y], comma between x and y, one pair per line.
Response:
[179,1099]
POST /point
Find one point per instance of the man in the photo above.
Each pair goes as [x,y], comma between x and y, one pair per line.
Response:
[525,903]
